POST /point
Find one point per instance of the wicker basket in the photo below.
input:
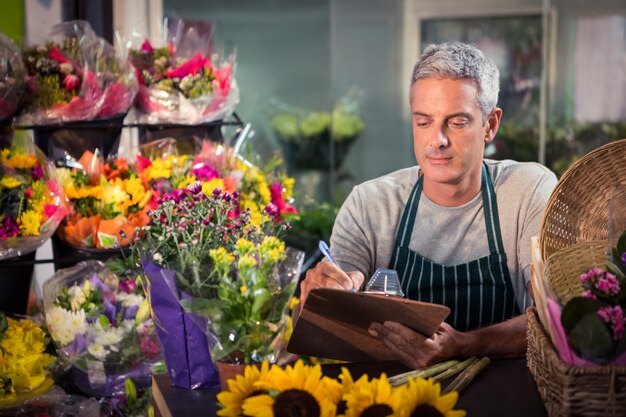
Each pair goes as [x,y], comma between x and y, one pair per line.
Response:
[570,390]
[562,269]
[577,210]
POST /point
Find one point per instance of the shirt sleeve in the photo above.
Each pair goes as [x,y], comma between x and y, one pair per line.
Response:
[537,202]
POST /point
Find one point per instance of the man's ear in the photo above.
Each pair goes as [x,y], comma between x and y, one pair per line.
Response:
[493,123]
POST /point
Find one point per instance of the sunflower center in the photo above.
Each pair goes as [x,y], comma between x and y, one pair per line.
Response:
[341,407]
[377,410]
[426,410]
[296,403]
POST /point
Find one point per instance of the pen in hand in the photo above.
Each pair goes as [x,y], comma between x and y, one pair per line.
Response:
[326,252]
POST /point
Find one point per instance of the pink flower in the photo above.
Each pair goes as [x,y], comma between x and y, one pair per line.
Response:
[71,82]
[146,46]
[29,192]
[192,66]
[614,316]
[49,210]
[204,172]
[276,192]
[128,286]
[588,294]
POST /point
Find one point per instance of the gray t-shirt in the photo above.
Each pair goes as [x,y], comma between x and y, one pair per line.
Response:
[365,229]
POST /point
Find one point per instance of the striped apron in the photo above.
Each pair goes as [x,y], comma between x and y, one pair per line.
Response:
[478,292]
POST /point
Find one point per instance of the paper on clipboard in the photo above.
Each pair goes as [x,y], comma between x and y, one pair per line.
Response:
[333,323]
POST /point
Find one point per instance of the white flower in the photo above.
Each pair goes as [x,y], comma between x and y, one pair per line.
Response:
[129,300]
[109,337]
[97,351]
[157,257]
[77,294]
[65,325]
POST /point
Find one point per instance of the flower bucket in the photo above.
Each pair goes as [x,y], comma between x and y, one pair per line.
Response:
[77,137]
[67,255]
[15,278]
[184,344]
[185,136]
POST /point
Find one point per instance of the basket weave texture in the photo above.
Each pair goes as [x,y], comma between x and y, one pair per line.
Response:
[562,269]
[571,390]
[577,210]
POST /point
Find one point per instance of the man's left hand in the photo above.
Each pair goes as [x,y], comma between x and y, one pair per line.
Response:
[414,349]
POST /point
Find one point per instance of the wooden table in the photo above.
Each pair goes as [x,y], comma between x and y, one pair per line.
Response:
[504,388]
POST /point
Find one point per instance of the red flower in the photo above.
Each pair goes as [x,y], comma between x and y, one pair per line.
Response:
[143,163]
[192,66]
[57,55]
[71,82]
[146,46]
[276,191]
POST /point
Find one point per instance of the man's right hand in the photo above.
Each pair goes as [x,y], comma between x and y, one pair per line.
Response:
[329,275]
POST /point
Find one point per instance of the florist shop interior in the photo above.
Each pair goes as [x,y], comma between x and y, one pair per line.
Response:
[213,208]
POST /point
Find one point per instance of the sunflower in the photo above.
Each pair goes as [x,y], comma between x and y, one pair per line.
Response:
[240,388]
[295,391]
[423,397]
[337,391]
[376,398]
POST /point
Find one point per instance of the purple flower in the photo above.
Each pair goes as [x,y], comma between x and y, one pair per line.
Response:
[128,286]
[37,172]
[162,185]
[204,172]
[195,188]
[272,210]
[624,257]
[8,228]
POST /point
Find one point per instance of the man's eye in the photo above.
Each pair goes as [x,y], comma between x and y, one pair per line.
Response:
[421,124]
[458,123]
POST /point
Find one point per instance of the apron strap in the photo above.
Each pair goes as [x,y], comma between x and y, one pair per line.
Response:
[490,209]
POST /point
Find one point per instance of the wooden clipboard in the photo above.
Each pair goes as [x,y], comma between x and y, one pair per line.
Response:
[333,323]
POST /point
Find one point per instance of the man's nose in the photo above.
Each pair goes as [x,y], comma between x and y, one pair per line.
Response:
[438,138]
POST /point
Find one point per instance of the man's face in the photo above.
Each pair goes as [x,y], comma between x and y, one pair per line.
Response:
[449,134]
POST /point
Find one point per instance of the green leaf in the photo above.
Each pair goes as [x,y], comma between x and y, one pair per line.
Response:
[3,324]
[211,309]
[261,301]
[591,338]
[615,269]
[104,322]
[129,387]
[621,243]
[575,309]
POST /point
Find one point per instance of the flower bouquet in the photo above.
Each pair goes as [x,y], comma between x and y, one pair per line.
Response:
[76,76]
[78,92]
[131,403]
[11,77]
[303,390]
[24,364]
[185,250]
[107,202]
[306,138]
[32,203]
[101,323]
[183,82]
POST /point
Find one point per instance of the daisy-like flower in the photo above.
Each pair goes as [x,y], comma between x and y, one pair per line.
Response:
[421,397]
[376,398]
[295,391]
[240,388]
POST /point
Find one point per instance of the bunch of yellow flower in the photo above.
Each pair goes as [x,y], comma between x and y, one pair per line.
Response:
[303,390]
[23,363]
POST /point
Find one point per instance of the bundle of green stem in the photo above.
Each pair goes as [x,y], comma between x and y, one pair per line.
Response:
[466,370]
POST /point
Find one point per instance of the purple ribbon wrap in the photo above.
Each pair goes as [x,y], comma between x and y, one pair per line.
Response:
[184,344]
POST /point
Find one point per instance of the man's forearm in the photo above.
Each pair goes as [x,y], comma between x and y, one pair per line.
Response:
[506,339]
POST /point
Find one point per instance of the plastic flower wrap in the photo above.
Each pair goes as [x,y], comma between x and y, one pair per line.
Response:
[76,76]
[24,362]
[101,322]
[303,390]
[107,202]
[11,77]
[183,82]
[32,203]
[306,137]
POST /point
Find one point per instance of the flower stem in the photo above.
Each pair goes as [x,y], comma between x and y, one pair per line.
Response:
[455,369]
[463,380]
[421,373]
